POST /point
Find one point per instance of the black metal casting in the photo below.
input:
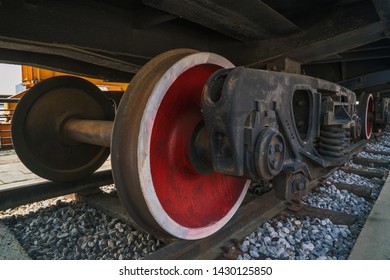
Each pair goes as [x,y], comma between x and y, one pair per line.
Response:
[270,125]
[382,114]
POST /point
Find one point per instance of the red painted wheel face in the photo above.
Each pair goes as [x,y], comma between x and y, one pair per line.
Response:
[155,122]
[366,115]
[369,116]
[190,199]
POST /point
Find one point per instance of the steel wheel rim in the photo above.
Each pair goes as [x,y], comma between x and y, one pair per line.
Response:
[366,108]
[164,219]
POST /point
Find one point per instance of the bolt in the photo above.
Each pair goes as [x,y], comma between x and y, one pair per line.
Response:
[279,147]
[298,185]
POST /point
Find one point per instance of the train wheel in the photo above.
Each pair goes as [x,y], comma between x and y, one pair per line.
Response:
[37,124]
[366,114]
[152,132]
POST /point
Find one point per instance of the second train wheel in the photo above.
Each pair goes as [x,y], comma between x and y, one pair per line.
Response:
[152,132]
[366,114]
[37,128]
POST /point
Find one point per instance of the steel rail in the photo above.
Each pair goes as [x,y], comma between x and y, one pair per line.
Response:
[245,221]
[13,196]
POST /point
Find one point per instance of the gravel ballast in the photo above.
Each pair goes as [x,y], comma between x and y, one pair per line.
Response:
[65,229]
[313,238]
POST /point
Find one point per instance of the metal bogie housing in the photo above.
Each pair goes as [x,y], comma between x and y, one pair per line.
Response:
[307,121]
[338,107]
[382,113]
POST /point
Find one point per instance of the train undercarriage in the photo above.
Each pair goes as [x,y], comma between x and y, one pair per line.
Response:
[192,131]
[190,134]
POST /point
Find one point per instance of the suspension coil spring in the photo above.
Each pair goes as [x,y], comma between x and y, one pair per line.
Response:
[334,141]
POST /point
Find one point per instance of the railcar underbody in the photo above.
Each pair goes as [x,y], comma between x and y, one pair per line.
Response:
[193,130]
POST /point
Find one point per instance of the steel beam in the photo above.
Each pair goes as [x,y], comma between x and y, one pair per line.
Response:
[342,71]
[63,64]
[250,21]
[69,52]
[147,17]
[344,30]
[367,81]
[340,43]
[88,38]
[95,27]
[107,41]
[383,8]
[357,56]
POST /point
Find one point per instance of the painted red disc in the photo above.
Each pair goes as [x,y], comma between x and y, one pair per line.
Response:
[189,198]
[156,182]
[366,114]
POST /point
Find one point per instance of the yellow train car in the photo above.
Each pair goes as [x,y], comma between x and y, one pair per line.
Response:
[33,75]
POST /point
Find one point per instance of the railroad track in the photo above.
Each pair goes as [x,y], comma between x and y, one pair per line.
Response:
[226,243]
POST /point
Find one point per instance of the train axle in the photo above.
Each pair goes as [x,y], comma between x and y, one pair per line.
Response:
[88,131]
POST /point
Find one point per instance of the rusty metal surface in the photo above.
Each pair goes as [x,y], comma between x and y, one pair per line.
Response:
[88,131]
